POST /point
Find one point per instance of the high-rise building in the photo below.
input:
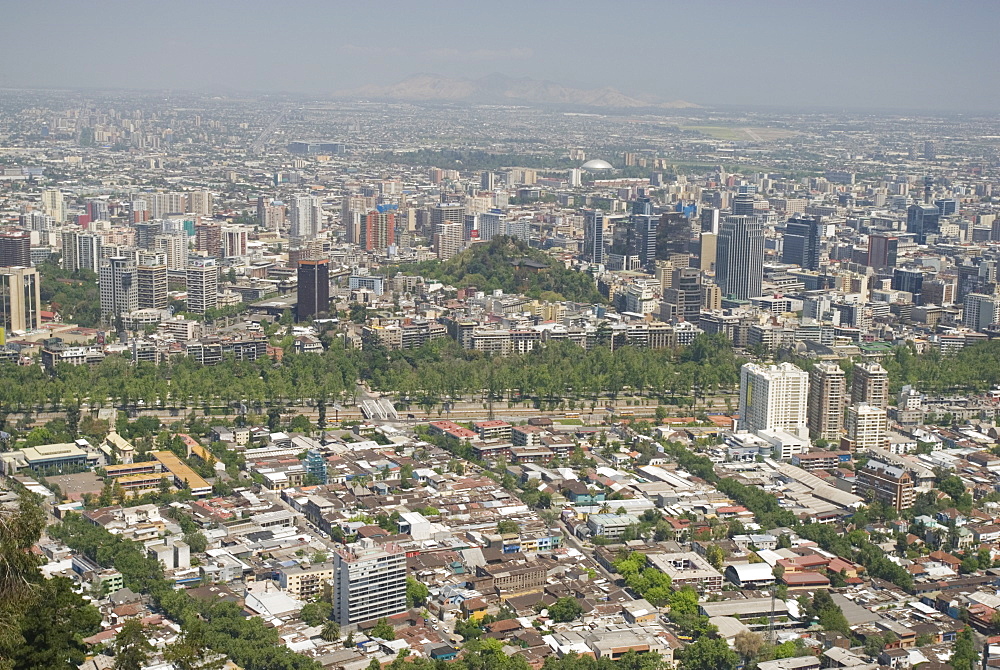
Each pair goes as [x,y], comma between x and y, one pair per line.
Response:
[53,205]
[307,216]
[710,218]
[15,249]
[739,263]
[208,238]
[803,241]
[866,426]
[645,231]
[774,398]
[487,181]
[151,280]
[827,398]
[491,224]
[593,236]
[20,302]
[146,232]
[139,208]
[118,286]
[870,384]
[883,249]
[202,285]
[313,289]
[369,582]
[447,240]
[200,202]
[744,202]
[378,228]
[981,311]
[174,246]
[685,293]
[81,251]
[921,220]
[98,210]
[910,280]
[887,483]
[234,241]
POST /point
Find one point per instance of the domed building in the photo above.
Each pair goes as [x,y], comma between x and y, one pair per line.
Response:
[597,165]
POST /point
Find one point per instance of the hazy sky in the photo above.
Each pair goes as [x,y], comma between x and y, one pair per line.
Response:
[930,54]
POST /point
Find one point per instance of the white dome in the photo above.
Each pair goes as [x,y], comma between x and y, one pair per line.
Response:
[597,164]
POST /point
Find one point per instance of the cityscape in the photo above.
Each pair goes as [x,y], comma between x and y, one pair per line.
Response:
[509,371]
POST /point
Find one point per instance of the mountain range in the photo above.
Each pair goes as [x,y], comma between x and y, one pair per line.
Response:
[500,89]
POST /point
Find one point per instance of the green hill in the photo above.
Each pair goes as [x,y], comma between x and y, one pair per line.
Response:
[511,265]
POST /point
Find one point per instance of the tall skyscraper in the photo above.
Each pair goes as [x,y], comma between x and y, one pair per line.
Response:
[739,264]
[81,251]
[743,202]
[882,250]
[491,224]
[20,304]
[866,426]
[146,232]
[774,398]
[151,280]
[447,240]
[803,241]
[870,384]
[685,293]
[487,181]
[981,311]
[202,285]
[369,582]
[645,229]
[827,398]
[921,220]
[710,218]
[378,228]
[118,286]
[313,289]
[98,210]
[15,249]
[53,205]
[593,236]
[307,216]
[174,246]
[208,238]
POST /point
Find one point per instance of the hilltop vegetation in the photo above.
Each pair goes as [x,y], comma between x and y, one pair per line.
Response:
[493,265]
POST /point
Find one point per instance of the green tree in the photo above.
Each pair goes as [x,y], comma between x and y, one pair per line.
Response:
[709,654]
[565,609]
[190,651]
[53,628]
[331,631]
[383,630]
[964,655]
[316,613]
[715,556]
[131,646]
[416,593]
[196,541]
[507,526]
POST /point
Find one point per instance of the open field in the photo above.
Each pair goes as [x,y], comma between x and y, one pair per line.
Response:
[743,134]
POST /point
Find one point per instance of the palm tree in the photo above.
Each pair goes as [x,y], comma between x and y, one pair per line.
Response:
[331,631]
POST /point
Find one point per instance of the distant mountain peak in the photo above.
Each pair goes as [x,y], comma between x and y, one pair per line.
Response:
[497,88]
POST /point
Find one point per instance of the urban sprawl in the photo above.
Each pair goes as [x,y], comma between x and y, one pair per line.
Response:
[291,383]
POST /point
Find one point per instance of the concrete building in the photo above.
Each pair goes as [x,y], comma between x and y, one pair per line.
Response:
[202,285]
[774,398]
[870,384]
[20,303]
[593,236]
[118,286]
[890,484]
[827,396]
[369,582]
[739,266]
[866,427]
